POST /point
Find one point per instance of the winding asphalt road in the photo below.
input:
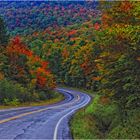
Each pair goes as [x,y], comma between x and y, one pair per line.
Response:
[42,122]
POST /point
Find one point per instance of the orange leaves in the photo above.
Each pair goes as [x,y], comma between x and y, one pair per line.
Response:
[43,74]
[35,59]
[1,76]
[35,34]
[42,71]
[96,78]
[138,58]
[84,65]
[104,100]
[73,39]
[56,40]
[45,79]
[72,32]
[65,53]
[126,6]
[18,47]
[37,67]
[106,19]
[20,71]
[98,65]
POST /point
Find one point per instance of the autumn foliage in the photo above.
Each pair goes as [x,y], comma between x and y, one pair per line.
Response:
[78,45]
[41,72]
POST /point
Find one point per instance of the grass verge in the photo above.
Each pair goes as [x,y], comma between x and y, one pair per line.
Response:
[58,97]
[101,119]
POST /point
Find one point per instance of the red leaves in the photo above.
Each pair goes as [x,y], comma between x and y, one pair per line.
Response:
[18,47]
[16,40]
[82,10]
[72,32]
[86,67]
[42,75]
[106,20]
[96,26]
[41,71]
[41,81]
[44,64]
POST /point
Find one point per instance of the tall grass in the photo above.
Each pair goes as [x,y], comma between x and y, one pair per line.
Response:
[103,120]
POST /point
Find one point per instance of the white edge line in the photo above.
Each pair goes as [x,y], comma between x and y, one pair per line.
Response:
[58,123]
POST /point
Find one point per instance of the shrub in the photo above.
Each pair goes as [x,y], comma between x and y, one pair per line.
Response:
[105,115]
[13,93]
[97,120]
[128,130]
[13,102]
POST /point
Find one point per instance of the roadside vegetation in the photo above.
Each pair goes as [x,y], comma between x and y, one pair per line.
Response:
[89,45]
[103,119]
[24,76]
[12,104]
[32,53]
[114,112]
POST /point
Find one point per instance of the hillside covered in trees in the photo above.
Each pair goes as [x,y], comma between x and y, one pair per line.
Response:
[89,45]
[26,17]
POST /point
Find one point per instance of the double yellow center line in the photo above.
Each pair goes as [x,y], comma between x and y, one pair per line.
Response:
[36,111]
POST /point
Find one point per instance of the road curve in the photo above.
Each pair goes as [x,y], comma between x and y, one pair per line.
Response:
[42,122]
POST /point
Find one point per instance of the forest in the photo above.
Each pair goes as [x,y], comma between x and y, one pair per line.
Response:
[87,45]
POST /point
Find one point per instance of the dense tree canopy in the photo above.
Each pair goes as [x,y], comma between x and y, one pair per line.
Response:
[3,33]
[74,44]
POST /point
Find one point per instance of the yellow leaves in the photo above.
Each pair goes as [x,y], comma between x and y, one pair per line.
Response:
[50,81]
[97,78]
[110,30]
[84,52]
[138,58]
[105,54]
[97,60]
[99,67]
[33,81]
[1,76]
[104,81]
[108,92]
[32,84]
[73,71]
[65,53]
[73,61]
[44,46]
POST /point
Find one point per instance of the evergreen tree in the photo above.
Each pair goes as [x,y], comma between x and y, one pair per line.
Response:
[3,33]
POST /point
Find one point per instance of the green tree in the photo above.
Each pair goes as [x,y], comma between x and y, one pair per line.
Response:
[3,33]
[119,59]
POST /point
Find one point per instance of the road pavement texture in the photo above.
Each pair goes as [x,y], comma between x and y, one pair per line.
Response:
[42,122]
